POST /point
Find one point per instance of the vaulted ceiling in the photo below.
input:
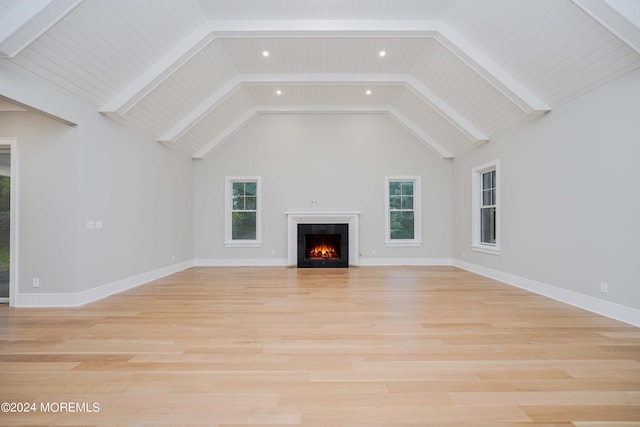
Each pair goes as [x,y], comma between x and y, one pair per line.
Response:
[192,72]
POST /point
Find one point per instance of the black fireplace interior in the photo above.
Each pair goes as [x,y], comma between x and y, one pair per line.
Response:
[323,245]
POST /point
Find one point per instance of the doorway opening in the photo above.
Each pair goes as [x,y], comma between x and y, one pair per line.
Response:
[8,220]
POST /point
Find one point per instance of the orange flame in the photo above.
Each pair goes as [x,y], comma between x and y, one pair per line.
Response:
[323,250]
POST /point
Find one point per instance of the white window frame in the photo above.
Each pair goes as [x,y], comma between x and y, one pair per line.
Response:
[228,197]
[476,196]
[417,211]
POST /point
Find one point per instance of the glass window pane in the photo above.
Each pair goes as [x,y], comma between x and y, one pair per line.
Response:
[395,202]
[250,203]
[407,202]
[394,188]
[407,188]
[401,225]
[250,188]
[238,189]
[243,225]
[488,225]
[486,198]
[238,203]
[486,180]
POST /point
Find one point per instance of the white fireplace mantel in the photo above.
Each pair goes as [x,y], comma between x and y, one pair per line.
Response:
[319,217]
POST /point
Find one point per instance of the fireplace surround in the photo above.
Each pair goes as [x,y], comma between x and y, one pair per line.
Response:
[322,217]
[323,245]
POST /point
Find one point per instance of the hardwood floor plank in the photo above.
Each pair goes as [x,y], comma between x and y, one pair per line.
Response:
[374,346]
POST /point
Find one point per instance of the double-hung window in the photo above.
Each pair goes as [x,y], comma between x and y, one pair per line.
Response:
[486,213]
[403,225]
[242,216]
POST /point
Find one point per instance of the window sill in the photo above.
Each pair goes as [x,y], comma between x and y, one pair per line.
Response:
[243,244]
[403,243]
[491,250]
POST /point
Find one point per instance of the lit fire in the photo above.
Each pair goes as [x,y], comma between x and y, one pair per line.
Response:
[323,250]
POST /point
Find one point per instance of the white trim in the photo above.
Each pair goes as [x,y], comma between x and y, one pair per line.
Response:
[476,183]
[228,207]
[485,249]
[84,297]
[417,211]
[405,261]
[599,306]
[240,262]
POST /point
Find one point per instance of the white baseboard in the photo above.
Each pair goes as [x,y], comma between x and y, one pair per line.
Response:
[404,261]
[84,297]
[596,305]
[240,262]
[282,262]
[599,306]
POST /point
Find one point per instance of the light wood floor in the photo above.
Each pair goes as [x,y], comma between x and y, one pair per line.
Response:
[371,346]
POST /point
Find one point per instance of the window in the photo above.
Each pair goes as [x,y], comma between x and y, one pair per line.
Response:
[242,221]
[402,200]
[485,208]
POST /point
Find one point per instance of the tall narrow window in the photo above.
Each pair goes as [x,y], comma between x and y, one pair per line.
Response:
[403,224]
[242,225]
[488,208]
[485,208]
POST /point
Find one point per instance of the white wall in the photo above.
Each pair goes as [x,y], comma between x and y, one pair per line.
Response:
[570,196]
[99,170]
[338,160]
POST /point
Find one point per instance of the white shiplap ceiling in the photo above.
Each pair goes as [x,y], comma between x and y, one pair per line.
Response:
[192,72]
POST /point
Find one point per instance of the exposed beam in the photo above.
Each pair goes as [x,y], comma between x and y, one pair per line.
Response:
[28,20]
[230,130]
[380,109]
[446,111]
[201,111]
[490,71]
[159,72]
[421,134]
[458,45]
[430,98]
[620,18]
[34,95]
[444,34]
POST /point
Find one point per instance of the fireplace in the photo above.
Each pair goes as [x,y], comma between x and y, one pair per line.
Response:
[323,245]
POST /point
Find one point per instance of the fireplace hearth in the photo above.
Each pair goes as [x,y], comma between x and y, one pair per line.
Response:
[323,245]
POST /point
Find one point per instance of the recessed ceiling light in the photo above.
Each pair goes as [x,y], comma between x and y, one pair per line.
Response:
[265,53]
[382,53]
[278,92]
[368,92]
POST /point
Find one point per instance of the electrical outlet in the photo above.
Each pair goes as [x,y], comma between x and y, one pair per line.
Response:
[604,287]
[36,282]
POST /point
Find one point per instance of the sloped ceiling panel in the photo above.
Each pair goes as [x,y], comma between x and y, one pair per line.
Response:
[188,87]
[96,50]
[549,45]
[411,106]
[455,72]
[219,121]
